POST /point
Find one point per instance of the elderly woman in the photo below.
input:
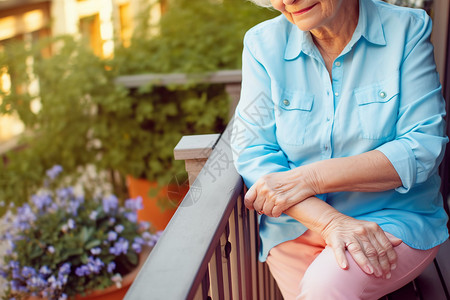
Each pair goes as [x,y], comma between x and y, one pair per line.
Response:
[338,135]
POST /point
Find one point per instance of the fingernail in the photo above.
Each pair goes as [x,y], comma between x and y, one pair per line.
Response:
[393,267]
[369,269]
[388,275]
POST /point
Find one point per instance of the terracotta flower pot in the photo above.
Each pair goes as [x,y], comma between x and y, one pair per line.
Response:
[152,212]
[113,292]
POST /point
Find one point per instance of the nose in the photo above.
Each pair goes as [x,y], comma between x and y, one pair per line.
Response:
[288,2]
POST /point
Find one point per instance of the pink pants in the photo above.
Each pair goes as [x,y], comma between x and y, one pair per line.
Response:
[305,268]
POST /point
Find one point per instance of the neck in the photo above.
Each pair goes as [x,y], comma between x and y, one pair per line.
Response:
[336,34]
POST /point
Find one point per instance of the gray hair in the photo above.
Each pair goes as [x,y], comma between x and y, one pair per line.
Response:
[263,3]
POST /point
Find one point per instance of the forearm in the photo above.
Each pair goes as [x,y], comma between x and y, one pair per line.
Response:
[367,172]
[314,213]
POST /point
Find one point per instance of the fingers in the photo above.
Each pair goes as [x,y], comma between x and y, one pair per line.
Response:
[250,197]
[360,257]
[339,254]
[387,255]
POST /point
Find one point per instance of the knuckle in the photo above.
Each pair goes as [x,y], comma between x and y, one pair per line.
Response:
[281,200]
[353,247]
[361,230]
[373,226]
[382,253]
[371,252]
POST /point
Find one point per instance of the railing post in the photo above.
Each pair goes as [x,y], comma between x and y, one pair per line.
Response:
[195,150]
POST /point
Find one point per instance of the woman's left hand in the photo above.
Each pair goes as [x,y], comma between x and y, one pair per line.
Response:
[371,248]
[273,193]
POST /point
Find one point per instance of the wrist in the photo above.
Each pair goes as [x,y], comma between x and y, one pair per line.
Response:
[330,222]
[309,179]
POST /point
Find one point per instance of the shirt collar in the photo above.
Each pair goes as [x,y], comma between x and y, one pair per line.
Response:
[369,26]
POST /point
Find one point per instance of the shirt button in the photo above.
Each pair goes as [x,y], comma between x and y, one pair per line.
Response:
[336,94]
[383,95]
[286,102]
[337,64]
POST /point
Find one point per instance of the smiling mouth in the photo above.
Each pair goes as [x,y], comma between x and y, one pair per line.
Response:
[305,10]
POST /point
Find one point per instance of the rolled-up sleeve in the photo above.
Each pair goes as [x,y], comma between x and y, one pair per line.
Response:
[255,148]
[420,141]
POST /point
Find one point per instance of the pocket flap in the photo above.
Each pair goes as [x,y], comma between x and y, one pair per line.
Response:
[296,100]
[377,93]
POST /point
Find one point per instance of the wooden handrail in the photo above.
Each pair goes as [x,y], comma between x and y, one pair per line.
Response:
[209,248]
[224,76]
[177,264]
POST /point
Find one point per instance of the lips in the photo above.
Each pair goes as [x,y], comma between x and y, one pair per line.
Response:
[305,10]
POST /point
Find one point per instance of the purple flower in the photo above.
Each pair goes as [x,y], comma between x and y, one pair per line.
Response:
[82,271]
[111,267]
[28,272]
[96,251]
[51,249]
[139,240]
[151,239]
[93,215]
[55,283]
[54,171]
[144,225]
[134,204]
[64,269]
[95,265]
[131,216]
[64,193]
[112,236]
[25,217]
[110,203]
[44,270]
[121,246]
[36,282]
[71,223]
[41,201]
[119,228]
[136,247]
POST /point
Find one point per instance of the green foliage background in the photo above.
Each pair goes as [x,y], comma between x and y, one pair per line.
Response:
[88,119]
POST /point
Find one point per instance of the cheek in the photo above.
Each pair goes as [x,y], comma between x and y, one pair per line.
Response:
[289,17]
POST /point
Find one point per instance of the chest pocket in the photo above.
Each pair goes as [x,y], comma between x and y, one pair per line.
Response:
[292,114]
[378,109]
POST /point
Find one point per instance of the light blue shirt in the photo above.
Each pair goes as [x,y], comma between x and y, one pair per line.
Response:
[384,94]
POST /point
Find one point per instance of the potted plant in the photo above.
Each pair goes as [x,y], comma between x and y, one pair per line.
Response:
[73,241]
[83,117]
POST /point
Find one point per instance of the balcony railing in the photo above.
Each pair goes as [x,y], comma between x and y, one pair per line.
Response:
[209,248]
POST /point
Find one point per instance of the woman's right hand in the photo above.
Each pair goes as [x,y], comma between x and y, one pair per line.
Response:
[366,242]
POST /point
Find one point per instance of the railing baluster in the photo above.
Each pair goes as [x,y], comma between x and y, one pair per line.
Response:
[266,281]
[254,250]
[236,288]
[247,253]
[226,250]
[215,275]
[199,293]
[242,263]
[272,287]
[261,280]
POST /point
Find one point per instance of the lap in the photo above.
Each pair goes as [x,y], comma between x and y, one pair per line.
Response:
[306,269]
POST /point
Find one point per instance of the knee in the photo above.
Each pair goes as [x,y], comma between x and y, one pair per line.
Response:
[328,284]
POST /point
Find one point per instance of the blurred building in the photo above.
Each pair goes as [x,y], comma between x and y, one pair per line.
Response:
[100,23]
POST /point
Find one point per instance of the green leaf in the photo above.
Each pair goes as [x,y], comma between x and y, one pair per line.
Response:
[92,244]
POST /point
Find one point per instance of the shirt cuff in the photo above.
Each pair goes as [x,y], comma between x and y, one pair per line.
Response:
[404,162]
